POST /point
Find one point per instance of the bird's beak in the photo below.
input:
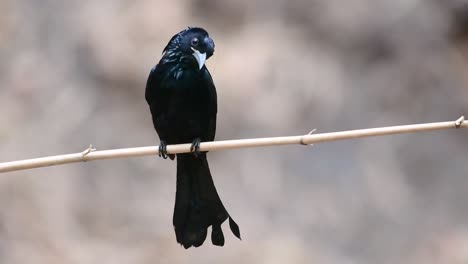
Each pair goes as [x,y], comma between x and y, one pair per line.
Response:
[200,57]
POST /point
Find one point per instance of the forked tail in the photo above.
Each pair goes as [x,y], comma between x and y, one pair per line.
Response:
[198,205]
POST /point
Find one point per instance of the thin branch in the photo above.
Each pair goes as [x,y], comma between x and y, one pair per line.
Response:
[91,153]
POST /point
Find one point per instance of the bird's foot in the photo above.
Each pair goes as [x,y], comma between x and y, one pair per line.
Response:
[163,150]
[195,148]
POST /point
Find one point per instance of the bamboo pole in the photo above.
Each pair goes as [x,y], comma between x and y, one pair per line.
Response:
[91,154]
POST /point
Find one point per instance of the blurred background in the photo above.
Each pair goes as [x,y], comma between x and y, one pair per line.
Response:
[73,73]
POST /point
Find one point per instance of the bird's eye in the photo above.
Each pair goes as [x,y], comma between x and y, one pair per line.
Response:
[194,42]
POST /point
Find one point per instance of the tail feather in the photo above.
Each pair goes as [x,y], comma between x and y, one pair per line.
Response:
[234,227]
[217,236]
[198,205]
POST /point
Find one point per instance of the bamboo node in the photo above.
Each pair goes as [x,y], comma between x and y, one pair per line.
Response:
[308,134]
[459,121]
[86,152]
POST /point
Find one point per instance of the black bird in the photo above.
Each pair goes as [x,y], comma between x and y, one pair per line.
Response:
[183,103]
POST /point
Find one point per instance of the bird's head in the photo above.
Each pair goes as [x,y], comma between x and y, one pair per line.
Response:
[191,43]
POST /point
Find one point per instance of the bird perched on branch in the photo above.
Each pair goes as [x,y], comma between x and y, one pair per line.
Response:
[183,103]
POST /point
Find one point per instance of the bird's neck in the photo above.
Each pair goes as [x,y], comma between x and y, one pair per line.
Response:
[186,62]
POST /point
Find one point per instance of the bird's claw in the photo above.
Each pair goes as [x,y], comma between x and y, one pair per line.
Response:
[195,147]
[163,150]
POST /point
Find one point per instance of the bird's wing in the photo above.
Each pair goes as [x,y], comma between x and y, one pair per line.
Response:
[151,85]
[157,98]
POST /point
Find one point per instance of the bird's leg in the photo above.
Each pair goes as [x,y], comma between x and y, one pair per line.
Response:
[163,149]
[195,148]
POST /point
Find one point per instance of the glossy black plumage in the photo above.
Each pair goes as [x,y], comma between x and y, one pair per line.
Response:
[183,102]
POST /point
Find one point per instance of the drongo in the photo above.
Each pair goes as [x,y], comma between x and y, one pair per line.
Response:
[183,102]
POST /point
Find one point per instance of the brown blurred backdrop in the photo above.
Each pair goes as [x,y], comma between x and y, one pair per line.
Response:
[73,73]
